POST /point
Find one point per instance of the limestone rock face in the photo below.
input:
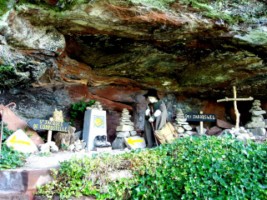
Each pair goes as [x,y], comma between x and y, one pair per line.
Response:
[26,50]
[19,68]
[19,32]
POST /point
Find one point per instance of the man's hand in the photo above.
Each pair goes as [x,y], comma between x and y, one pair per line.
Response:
[151,119]
[157,113]
[147,112]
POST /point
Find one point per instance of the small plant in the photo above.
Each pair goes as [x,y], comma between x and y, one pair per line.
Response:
[6,68]
[9,158]
[3,6]
[44,154]
[77,110]
[6,133]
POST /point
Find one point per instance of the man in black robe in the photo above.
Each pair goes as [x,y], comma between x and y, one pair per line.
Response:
[156,117]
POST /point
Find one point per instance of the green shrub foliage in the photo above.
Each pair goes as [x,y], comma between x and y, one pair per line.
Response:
[9,158]
[190,168]
[6,133]
[77,109]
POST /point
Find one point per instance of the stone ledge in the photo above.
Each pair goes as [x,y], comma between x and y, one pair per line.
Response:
[21,185]
[13,195]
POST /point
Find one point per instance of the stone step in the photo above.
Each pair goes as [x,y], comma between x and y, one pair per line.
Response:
[22,184]
[14,195]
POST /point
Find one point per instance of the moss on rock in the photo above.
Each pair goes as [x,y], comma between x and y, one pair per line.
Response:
[230,11]
[255,37]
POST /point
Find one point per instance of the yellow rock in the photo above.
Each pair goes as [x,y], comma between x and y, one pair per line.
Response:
[135,142]
[19,141]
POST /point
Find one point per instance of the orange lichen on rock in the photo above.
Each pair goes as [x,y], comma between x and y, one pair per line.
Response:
[72,71]
[79,92]
[136,15]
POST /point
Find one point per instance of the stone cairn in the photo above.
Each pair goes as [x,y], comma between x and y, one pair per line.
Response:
[124,130]
[257,125]
[181,125]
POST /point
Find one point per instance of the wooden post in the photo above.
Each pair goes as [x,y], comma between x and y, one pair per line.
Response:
[201,125]
[49,135]
[235,99]
[2,132]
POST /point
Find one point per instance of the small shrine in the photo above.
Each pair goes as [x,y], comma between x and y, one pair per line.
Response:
[95,128]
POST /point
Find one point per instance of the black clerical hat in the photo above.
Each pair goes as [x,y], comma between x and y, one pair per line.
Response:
[151,93]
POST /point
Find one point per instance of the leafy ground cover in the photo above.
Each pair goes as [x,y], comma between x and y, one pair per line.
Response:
[10,159]
[190,168]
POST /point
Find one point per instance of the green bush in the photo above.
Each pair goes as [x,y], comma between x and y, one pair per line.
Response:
[6,133]
[3,7]
[9,158]
[77,109]
[74,178]
[190,168]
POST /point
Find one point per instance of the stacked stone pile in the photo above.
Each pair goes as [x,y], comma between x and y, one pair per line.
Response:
[124,130]
[181,125]
[126,125]
[257,125]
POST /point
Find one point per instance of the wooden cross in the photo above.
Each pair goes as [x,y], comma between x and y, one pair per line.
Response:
[235,99]
[49,135]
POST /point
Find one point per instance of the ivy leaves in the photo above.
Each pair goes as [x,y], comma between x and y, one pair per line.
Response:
[190,168]
[10,159]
